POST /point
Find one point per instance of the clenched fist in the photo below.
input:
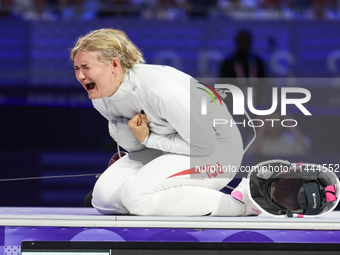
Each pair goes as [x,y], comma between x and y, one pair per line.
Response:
[139,126]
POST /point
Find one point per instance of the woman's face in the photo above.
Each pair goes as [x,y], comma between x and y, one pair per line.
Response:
[98,79]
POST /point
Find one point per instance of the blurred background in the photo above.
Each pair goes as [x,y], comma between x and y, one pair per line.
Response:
[49,128]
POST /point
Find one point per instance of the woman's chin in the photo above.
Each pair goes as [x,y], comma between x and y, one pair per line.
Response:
[93,94]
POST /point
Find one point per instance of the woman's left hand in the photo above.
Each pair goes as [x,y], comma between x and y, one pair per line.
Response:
[139,126]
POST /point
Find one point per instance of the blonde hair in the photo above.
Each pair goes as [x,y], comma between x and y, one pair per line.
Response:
[110,43]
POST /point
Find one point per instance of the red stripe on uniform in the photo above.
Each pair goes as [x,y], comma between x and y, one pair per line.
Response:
[185,172]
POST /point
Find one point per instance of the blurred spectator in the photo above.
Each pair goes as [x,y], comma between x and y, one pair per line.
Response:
[274,4]
[175,9]
[80,9]
[32,10]
[200,8]
[124,8]
[5,8]
[322,9]
[238,9]
[165,9]
[275,141]
[67,9]
[246,66]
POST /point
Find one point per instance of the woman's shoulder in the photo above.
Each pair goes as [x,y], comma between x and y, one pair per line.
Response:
[157,70]
[159,74]
[161,81]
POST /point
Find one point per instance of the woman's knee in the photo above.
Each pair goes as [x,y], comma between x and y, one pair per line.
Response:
[107,199]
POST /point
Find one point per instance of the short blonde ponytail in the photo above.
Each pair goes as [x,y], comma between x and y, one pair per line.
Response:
[110,43]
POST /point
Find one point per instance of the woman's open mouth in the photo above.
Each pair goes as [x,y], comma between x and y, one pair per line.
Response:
[90,86]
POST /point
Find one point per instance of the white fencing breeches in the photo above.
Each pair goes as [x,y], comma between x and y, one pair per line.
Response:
[150,182]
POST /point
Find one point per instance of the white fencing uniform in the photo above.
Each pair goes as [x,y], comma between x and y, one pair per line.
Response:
[160,176]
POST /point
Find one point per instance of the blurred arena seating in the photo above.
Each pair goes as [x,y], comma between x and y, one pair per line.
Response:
[170,9]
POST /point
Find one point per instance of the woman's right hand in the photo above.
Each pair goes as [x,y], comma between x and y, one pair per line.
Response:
[139,126]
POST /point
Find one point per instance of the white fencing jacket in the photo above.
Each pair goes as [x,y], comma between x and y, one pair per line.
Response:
[165,96]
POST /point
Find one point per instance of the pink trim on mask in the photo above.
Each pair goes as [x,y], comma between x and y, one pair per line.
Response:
[329,193]
[330,188]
